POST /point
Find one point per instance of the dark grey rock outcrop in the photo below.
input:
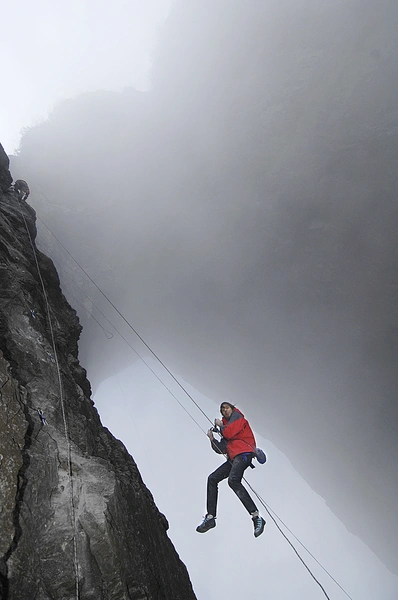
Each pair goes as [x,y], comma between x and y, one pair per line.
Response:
[5,175]
[76,519]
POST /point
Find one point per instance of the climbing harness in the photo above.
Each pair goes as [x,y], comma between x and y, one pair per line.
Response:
[259,454]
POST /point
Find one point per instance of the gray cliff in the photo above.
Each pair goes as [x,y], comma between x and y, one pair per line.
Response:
[77,521]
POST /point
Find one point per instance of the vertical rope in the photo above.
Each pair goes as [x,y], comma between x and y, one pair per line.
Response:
[66,430]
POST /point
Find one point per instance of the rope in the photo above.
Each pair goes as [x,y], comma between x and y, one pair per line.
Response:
[287,539]
[196,422]
[107,333]
[130,326]
[132,348]
[138,355]
[269,511]
[70,471]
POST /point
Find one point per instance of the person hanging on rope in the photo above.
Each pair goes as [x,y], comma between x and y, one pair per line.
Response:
[238,443]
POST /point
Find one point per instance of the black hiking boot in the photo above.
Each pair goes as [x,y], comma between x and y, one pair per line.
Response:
[208,523]
[259,524]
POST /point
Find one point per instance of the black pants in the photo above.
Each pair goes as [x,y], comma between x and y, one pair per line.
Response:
[234,471]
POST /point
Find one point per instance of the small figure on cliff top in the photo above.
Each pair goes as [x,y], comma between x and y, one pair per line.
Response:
[239,444]
[22,189]
[42,417]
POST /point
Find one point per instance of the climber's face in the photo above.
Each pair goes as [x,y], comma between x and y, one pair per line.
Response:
[226,411]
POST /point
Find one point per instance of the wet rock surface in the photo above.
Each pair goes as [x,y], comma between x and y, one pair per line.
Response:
[76,518]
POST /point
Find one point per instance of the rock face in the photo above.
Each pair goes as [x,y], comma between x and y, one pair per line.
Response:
[77,520]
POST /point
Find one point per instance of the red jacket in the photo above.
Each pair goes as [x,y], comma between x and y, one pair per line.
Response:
[238,434]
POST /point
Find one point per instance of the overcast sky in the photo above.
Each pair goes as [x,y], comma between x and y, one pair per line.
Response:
[54,50]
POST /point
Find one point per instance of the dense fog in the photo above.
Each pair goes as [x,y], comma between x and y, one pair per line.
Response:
[242,215]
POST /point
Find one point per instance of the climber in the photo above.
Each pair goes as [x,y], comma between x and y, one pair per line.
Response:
[22,189]
[238,443]
[42,417]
